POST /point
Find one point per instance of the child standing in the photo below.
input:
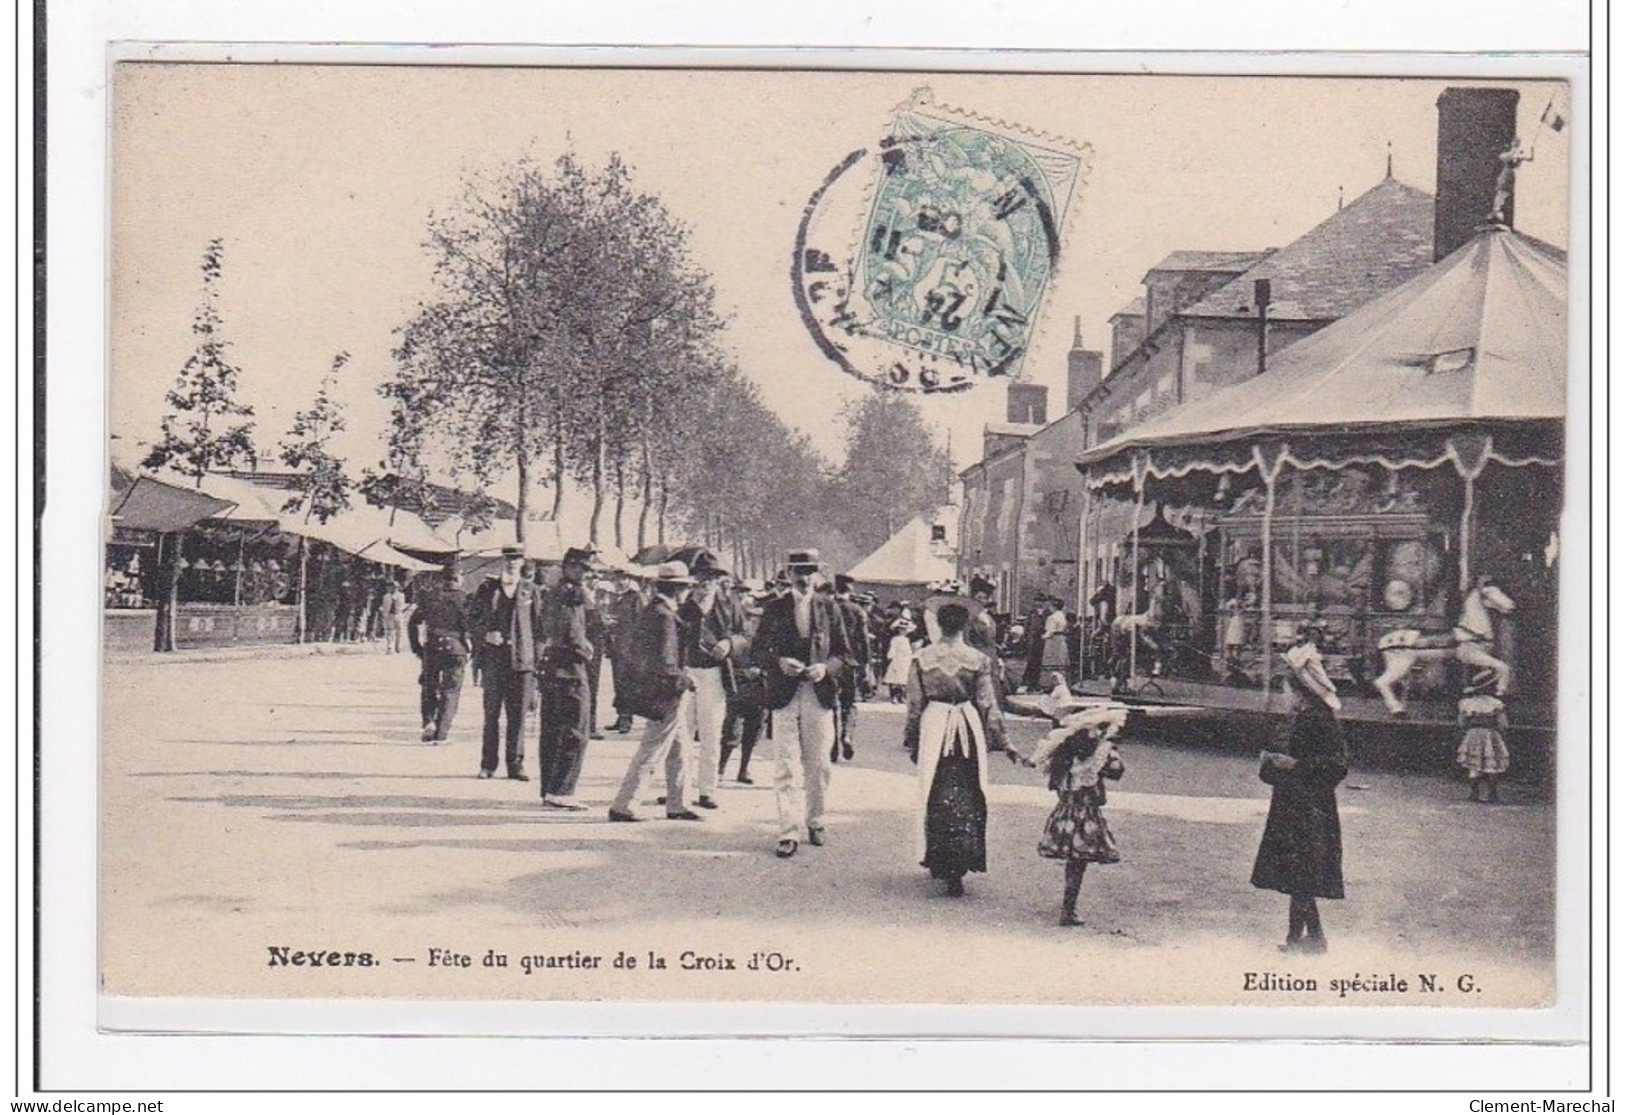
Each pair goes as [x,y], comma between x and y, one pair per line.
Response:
[899,659]
[1483,749]
[1079,756]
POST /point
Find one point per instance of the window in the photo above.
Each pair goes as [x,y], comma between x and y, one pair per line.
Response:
[939,532]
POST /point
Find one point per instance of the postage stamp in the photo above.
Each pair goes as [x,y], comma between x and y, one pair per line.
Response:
[946,279]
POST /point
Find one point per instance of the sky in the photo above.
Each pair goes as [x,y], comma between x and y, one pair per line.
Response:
[321,179]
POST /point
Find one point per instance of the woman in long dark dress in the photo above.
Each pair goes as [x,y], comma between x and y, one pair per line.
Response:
[1301,853]
[953,718]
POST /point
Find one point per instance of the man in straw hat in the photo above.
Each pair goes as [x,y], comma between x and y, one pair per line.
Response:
[507,613]
[564,677]
[803,647]
[657,689]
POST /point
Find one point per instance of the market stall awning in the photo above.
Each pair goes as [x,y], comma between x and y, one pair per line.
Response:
[406,530]
[252,504]
[1480,337]
[385,554]
[904,559]
[152,504]
[542,539]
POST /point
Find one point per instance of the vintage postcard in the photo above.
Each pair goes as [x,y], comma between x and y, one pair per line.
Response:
[786,535]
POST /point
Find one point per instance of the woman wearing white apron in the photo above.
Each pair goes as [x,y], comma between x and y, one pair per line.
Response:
[952,716]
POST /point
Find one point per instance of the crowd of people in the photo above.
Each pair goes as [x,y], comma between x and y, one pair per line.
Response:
[712,665]
[700,657]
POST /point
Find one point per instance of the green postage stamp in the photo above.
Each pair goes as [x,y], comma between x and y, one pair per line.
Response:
[946,280]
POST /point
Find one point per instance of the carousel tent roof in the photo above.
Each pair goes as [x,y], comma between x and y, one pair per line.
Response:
[1480,336]
[904,559]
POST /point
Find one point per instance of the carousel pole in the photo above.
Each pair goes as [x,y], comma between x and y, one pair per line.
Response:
[1469,477]
[1084,566]
[1270,472]
[1134,572]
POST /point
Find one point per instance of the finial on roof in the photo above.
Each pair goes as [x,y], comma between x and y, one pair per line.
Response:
[1390,173]
[1077,331]
[1340,199]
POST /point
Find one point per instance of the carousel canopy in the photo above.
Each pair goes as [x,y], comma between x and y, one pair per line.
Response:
[1480,337]
[904,559]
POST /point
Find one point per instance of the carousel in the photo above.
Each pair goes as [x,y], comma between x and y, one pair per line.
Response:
[1393,481]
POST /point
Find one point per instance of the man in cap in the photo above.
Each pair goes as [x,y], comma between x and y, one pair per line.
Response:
[507,610]
[657,689]
[564,679]
[803,647]
[856,622]
[441,637]
[711,625]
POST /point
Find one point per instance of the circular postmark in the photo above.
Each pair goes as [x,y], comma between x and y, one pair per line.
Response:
[921,263]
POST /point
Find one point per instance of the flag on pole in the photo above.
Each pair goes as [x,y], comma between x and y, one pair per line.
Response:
[1552,118]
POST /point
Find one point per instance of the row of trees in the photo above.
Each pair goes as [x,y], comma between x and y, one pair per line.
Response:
[572,337]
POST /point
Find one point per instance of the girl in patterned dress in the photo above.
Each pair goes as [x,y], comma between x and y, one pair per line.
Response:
[1079,756]
[1483,749]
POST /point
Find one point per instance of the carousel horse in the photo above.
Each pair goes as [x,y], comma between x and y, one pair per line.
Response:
[1469,643]
[1141,626]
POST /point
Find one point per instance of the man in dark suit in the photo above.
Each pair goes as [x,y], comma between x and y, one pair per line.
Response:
[623,618]
[564,677]
[658,689]
[856,622]
[507,611]
[440,635]
[802,646]
[1033,635]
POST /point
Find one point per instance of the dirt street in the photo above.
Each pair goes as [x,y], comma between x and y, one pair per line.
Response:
[259,808]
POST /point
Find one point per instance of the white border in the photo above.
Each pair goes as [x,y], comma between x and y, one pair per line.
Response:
[78,1057]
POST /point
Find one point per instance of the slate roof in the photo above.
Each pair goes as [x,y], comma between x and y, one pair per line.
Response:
[1371,245]
[1480,336]
[1209,261]
[1135,308]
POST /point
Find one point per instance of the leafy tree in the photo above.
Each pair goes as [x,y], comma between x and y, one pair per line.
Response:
[894,469]
[202,431]
[323,486]
[643,314]
[567,312]
[478,368]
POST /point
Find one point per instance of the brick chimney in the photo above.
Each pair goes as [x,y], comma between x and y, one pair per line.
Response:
[1082,368]
[1027,403]
[1475,126]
